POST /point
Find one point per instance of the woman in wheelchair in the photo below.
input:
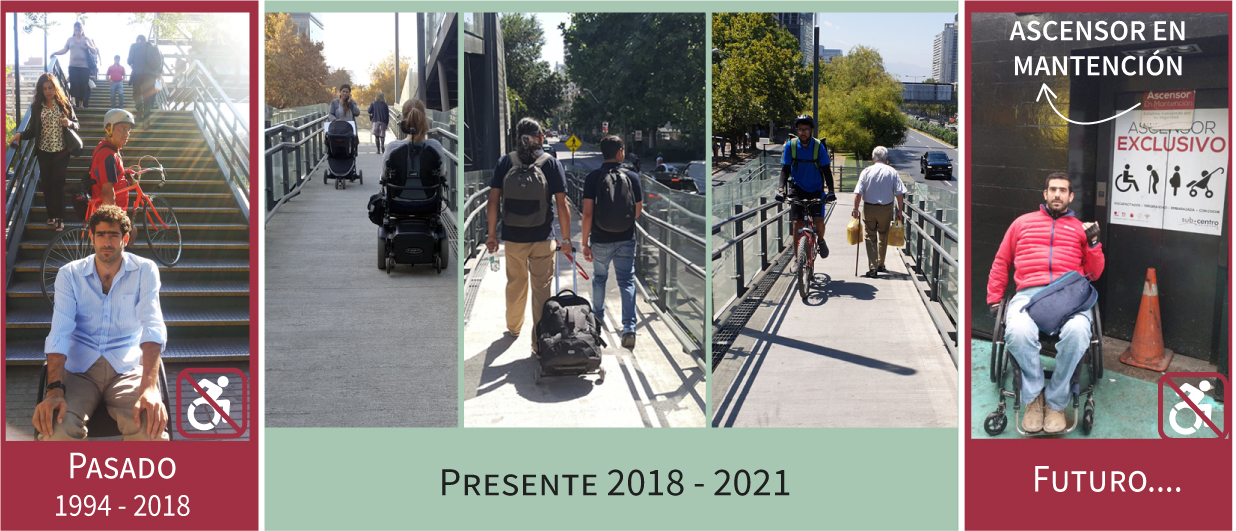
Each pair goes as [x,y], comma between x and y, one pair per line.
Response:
[413,189]
[1044,247]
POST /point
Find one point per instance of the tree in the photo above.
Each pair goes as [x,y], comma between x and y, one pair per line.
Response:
[758,74]
[532,88]
[338,78]
[296,71]
[382,79]
[637,71]
[859,103]
[39,21]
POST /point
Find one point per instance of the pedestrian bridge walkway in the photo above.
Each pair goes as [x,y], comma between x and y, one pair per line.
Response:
[657,384]
[348,344]
[859,352]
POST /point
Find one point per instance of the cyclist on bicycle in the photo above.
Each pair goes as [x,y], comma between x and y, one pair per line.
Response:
[106,165]
[805,161]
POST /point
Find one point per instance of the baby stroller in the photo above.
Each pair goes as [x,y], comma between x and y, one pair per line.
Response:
[341,144]
[1001,361]
[410,231]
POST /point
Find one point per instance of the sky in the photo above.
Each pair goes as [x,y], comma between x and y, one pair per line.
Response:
[904,40]
[359,41]
[112,32]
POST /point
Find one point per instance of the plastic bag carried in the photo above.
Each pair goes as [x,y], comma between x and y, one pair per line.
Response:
[897,235]
[854,231]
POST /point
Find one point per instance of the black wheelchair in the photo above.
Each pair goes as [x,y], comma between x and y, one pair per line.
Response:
[1002,361]
[101,423]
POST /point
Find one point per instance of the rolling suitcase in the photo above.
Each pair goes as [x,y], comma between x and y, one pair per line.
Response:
[568,336]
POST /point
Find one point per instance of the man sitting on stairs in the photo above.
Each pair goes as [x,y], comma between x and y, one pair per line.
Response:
[106,340]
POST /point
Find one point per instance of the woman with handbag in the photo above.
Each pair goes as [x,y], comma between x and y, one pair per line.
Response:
[53,128]
[82,53]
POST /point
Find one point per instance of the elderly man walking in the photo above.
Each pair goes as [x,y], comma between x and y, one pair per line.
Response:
[878,185]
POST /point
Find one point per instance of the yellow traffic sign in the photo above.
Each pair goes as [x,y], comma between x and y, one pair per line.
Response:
[573,143]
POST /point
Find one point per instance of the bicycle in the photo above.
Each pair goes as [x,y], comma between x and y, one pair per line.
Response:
[805,254]
[159,223]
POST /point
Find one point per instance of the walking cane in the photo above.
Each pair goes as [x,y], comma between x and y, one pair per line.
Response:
[858,248]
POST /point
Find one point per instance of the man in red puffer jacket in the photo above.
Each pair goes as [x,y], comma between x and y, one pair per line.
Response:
[1043,246]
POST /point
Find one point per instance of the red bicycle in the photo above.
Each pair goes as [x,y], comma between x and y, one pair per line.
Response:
[158,222]
[805,254]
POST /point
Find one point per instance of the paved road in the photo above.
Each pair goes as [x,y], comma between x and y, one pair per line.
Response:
[906,158]
[859,352]
[347,344]
[654,385]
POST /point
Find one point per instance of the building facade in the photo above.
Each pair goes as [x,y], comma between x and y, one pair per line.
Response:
[944,54]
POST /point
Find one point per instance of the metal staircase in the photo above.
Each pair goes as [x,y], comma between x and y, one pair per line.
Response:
[205,297]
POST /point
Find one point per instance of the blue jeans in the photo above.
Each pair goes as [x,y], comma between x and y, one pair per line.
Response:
[622,254]
[117,90]
[1021,336]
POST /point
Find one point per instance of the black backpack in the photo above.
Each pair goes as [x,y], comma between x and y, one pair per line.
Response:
[614,208]
[568,337]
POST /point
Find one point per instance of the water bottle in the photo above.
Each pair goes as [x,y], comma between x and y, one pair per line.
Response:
[493,263]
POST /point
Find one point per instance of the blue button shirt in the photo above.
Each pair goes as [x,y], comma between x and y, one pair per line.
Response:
[87,324]
[806,175]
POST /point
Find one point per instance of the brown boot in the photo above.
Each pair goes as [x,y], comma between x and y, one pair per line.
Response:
[1033,421]
[1053,421]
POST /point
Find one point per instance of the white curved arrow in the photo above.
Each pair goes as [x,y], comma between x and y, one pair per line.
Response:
[1066,118]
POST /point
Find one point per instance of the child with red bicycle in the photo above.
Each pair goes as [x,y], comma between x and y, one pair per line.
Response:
[106,165]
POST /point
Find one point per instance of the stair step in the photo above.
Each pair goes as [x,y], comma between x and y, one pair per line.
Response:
[170,288]
[30,352]
[199,244]
[41,317]
[184,265]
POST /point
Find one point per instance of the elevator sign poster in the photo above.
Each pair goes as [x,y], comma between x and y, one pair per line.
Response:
[1171,179]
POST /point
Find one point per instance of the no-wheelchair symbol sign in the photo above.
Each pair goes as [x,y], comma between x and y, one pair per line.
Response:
[1190,414]
[216,406]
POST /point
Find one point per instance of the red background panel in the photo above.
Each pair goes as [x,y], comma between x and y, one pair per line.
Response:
[999,474]
[220,477]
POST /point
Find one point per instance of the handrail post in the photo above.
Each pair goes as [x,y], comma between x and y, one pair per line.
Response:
[663,266]
[739,277]
[300,159]
[763,234]
[780,228]
[918,259]
[935,258]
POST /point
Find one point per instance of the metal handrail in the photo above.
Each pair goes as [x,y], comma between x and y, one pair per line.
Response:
[221,124]
[306,144]
[21,180]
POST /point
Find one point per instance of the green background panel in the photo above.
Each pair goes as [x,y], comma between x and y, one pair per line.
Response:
[566,6]
[318,478]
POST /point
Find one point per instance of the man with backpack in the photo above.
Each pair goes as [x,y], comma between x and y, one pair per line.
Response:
[137,75]
[805,159]
[613,200]
[153,71]
[528,183]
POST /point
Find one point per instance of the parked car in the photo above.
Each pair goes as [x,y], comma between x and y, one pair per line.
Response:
[936,163]
[696,171]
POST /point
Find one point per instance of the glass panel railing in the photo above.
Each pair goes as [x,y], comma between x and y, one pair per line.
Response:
[677,281]
[942,205]
[725,273]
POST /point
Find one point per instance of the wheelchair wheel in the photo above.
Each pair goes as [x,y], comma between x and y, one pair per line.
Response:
[1096,363]
[995,423]
[390,264]
[71,244]
[444,252]
[1088,420]
[325,179]
[437,264]
[381,252]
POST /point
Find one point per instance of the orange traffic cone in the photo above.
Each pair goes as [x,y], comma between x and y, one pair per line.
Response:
[1147,349]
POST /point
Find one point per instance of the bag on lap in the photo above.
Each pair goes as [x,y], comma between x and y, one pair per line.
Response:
[1065,297]
[568,336]
[614,210]
[525,193]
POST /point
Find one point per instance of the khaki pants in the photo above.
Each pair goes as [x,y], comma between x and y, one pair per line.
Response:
[82,393]
[527,263]
[877,219]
